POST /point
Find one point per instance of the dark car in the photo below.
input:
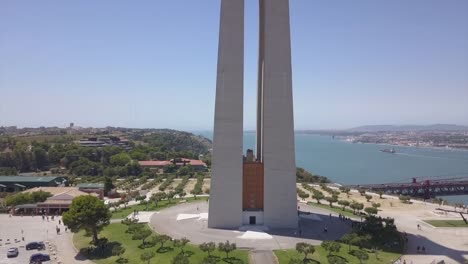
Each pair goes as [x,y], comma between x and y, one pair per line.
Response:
[38,258]
[35,245]
[12,252]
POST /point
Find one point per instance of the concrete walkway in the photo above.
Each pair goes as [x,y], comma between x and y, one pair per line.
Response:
[262,257]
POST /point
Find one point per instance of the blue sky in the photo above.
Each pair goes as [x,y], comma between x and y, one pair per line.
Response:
[153,63]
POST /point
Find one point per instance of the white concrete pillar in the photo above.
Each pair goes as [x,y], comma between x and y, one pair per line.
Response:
[225,210]
[280,204]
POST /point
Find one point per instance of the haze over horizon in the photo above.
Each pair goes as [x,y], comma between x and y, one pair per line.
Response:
[153,63]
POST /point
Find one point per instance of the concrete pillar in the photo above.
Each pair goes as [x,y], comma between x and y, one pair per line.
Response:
[225,204]
[280,207]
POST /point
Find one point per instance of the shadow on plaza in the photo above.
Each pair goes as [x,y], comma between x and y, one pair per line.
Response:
[320,227]
[433,248]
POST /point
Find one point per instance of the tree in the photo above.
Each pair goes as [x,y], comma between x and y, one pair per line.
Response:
[147,256]
[108,185]
[345,190]
[115,205]
[331,200]
[303,195]
[343,203]
[26,198]
[120,159]
[180,243]
[371,210]
[180,259]
[41,159]
[227,247]
[170,196]
[89,213]
[359,254]
[160,239]
[380,193]
[376,205]
[305,248]
[356,206]
[368,197]
[156,197]
[141,235]
[118,251]
[208,247]
[405,199]
[318,195]
[348,239]
[331,246]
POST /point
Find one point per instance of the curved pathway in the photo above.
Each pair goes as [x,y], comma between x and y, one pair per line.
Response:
[190,220]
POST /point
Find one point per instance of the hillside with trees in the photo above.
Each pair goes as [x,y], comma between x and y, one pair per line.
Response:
[61,154]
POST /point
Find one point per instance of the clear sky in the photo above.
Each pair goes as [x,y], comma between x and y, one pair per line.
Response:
[152,63]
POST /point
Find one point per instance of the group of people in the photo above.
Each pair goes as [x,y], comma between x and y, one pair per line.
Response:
[421,249]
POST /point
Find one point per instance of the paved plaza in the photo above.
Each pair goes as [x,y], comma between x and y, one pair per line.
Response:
[35,229]
[190,220]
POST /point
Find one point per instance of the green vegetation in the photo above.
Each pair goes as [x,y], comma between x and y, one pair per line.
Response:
[164,253]
[26,198]
[346,212]
[320,255]
[303,195]
[124,212]
[197,189]
[447,223]
[304,176]
[405,199]
[376,240]
[180,187]
[87,213]
[166,183]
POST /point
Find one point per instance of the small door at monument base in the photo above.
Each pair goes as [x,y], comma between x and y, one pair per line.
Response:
[252,220]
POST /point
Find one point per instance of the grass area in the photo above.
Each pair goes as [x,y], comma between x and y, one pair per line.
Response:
[446,223]
[347,212]
[124,212]
[320,256]
[116,235]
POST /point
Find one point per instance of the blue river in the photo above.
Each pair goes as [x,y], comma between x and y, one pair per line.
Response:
[348,163]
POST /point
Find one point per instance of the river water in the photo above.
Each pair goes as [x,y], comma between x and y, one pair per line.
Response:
[348,163]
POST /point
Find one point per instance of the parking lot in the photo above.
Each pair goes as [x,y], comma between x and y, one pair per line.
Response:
[14,229]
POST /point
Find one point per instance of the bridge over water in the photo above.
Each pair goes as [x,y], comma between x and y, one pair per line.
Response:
[425,188]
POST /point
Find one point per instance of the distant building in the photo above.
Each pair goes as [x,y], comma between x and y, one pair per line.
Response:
[59,201]
[21,183]
[100,142]
[97,188]
[197,165]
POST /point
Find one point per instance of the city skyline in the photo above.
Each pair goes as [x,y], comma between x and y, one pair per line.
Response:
[124,65]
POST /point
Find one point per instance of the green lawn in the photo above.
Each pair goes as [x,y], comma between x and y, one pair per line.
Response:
[115,233]
[320,256]
[124,212]
[446,223]
[347,212]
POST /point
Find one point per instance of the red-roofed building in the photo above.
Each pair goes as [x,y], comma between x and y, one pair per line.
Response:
[160,164]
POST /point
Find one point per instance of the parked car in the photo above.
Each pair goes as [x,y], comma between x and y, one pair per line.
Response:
[35,245]
[12,252]
[38,258]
